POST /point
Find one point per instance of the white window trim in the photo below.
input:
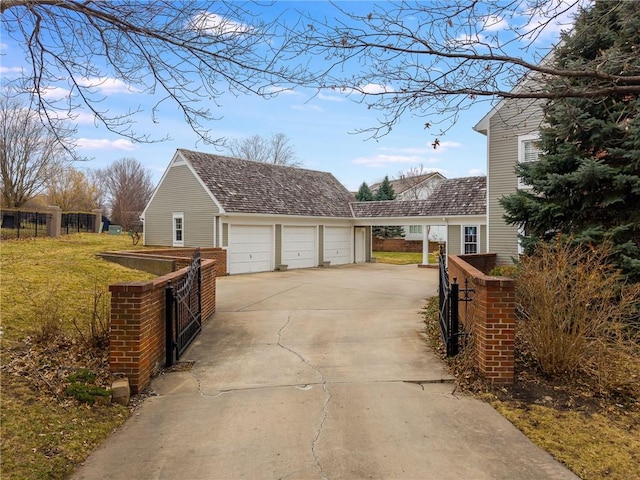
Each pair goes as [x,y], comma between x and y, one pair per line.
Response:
[415,229]
[521,140]
[462,242]
[177,243]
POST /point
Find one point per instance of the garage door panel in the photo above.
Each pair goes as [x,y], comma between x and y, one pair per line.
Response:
[299,247]
[337,245]
[250,248]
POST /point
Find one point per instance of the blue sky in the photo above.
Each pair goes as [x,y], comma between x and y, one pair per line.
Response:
[320,128]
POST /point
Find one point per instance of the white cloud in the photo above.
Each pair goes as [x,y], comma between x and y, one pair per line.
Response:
[475,172]
[105,144]
[216,25]
[330,98]
[84,118]
[54,93]
[493,23]
[308,106]
[10,70]
[4,46]
[372,88]
[106,85]
[272,90]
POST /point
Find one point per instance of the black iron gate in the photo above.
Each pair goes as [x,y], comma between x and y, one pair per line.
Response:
[183,311]
[449,311]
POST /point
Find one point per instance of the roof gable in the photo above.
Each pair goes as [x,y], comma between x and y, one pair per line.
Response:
[243,186]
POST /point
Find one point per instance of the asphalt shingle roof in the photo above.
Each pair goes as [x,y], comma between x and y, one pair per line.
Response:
[243,186]
[451,197]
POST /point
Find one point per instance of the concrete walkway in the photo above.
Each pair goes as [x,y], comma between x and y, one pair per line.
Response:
[317,374]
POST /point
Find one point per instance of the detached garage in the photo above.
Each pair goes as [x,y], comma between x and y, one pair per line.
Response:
[264,215]
[268,215]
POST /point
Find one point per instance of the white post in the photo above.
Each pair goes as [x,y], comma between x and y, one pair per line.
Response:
[425,245]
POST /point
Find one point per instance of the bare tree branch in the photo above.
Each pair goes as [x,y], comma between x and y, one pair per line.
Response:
[276,150]
[30,152]
[186,52]
[435,59]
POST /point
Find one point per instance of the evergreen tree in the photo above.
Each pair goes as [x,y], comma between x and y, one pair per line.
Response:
[587,181]
[364,193]
[385,190]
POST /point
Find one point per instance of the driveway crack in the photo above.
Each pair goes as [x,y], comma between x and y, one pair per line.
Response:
[325,387]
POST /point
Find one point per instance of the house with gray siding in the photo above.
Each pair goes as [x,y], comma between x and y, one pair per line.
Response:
[269,216]
[512,130]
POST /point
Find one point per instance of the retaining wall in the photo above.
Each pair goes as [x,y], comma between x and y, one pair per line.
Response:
[137,328]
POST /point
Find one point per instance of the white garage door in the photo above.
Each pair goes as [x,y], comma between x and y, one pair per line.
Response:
[337,245]
[299,247]
[250,248]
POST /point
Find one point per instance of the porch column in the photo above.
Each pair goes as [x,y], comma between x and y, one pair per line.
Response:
[425,245]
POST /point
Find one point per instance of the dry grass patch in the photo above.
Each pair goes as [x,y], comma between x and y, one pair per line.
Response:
[595,446]
[55,310]
[402,258]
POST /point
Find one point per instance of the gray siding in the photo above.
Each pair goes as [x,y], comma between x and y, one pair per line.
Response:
[320,244]
[483,239]
[515,118]
[225,234]
[180,191]
[453,240]
[278,247]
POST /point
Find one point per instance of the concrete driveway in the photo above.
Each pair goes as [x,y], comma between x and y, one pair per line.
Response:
[317,374]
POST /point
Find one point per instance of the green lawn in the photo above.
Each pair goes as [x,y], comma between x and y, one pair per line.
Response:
[402,258]
[49,287]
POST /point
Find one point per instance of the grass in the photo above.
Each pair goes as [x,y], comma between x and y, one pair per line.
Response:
[48,292]
[403,258]
[595,446]
[598,438]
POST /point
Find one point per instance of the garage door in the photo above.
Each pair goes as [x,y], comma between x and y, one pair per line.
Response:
[250,248]
[337,245]
[299,247]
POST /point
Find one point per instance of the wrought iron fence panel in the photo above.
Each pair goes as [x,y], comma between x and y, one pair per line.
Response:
[184,310]
[78,222]
[24,224]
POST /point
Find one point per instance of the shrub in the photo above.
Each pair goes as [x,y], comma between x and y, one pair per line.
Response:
[510,271]
[576,311]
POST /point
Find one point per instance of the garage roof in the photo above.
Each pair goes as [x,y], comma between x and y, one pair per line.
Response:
[451,197]
[244,186]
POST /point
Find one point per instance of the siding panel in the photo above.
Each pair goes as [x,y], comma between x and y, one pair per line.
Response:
[515,118]
[180,191]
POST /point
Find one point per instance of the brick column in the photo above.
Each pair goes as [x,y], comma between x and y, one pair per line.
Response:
[494,327]
[493,318]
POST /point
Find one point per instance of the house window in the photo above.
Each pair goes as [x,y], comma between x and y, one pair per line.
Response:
[178,229]
[415,228]
[528,151]
[470,239]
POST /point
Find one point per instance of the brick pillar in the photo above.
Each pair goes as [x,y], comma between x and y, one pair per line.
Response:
[494,327]
[129,333]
